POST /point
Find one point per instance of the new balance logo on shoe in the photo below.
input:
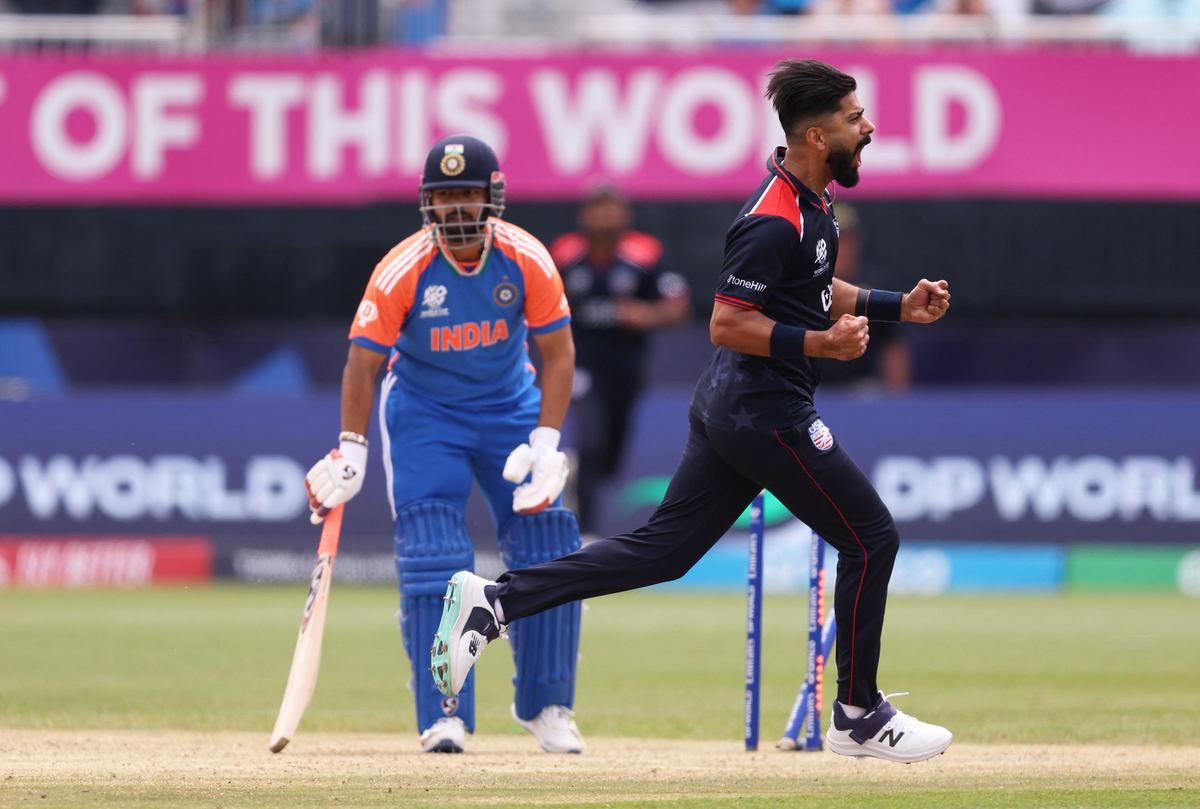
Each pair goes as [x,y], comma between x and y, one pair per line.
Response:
[878,734]
[473,650]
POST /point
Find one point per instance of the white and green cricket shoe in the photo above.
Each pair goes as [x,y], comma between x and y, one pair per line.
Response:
[468,625]
[447,735]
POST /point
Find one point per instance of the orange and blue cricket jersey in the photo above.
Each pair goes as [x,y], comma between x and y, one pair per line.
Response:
[459,336]
[460,394]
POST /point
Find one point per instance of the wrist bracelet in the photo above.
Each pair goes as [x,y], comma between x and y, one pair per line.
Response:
[353,437]
[860,302]
[787,342]
[878,304]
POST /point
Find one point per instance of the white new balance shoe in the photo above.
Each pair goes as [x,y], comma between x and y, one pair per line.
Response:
[444,736]
[468,625]
[886,732]
[554,728]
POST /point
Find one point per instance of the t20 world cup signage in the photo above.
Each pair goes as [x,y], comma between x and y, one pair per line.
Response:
[992,466]
[984,467]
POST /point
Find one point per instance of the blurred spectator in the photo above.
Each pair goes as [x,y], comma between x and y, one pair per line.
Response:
[57,6]
[791,6]
[417,22]
[1070,6]
[618,293]
[901,7]
[349,23]
[887,362]
[176,7]
[1153,9]
[1127,15]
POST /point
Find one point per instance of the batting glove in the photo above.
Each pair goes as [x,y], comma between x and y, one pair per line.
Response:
[543,464]
[335,478]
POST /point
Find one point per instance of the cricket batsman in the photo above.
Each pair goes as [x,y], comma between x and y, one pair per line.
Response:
[451,308]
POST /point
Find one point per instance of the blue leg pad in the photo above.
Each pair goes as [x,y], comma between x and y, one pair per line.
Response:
[546,645]
[431,546]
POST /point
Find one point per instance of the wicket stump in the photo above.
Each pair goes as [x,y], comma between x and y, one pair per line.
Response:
[805,717]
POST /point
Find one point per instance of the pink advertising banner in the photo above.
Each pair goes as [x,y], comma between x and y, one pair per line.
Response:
[348,129]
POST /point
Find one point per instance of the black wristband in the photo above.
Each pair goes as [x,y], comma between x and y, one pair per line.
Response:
[787,342]
[878,304]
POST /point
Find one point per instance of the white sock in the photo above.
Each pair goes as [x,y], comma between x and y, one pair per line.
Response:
[853,711]
[499,610]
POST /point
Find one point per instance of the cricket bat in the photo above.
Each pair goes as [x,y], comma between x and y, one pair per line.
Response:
[306,662]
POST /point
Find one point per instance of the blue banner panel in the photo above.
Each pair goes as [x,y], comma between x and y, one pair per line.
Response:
[955,468]
[988,465]
[227,467]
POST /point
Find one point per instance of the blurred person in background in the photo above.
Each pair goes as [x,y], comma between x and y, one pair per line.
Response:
[889,362]
[295,22]
[451,307]
[619,293]
[1148,25]
[57,6]
[1152,9]
[176,7]
[753,425]
[1069,6]
[880,7]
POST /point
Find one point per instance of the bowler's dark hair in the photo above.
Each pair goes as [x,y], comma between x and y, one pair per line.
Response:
[802,89]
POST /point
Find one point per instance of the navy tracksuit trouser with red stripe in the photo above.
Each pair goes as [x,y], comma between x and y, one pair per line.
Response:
[720,473]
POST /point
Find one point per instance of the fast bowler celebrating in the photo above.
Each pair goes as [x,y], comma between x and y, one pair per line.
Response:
[779,313]
[452,306]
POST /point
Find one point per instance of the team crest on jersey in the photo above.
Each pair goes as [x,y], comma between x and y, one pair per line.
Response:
[505,293]
[367,312]
[433,300]
[821,437]
[449,705]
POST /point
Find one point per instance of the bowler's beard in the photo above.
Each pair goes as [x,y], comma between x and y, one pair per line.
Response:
[841,163]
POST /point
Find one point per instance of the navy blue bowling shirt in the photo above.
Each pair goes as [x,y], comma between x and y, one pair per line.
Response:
[780,254]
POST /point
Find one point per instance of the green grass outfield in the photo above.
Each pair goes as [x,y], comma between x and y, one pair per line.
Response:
[1021,681]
